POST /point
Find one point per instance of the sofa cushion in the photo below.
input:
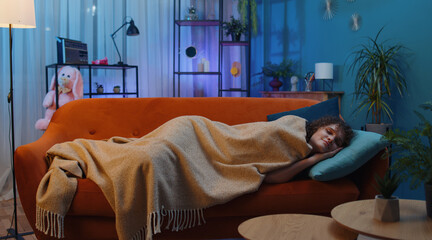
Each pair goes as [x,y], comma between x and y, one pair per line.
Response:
[143,115]
[292,197]
[325,108]
[363,147]
[301,196]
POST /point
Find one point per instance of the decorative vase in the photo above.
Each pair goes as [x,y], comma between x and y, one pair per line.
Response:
[100,90]
[192,17]
[275,84]
[428,196]
[386,210]
[308,86]
[236,37]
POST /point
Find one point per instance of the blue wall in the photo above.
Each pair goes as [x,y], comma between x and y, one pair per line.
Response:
[296,29]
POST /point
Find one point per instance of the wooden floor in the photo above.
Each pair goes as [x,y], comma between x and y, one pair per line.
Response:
[6,211]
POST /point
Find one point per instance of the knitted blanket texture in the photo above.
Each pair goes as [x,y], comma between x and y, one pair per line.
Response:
[169,176]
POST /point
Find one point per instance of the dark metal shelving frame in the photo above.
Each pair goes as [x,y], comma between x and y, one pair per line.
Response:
[208,23]
[90,67]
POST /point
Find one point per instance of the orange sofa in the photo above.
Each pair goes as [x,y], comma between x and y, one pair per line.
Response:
[91,217]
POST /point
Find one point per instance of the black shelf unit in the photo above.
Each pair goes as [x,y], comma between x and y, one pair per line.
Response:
[90,67]
[178,23]
[197,22]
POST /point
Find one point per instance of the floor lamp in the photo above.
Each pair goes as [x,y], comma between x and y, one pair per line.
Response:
[15,14]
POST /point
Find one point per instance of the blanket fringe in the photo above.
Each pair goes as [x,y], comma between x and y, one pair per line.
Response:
[49,223]
[177,219]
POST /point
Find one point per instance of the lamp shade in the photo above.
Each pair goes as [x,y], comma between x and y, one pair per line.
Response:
[323,70]
[18,13]
[132,29]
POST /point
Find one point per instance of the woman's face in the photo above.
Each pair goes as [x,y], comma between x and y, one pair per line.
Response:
[326,139]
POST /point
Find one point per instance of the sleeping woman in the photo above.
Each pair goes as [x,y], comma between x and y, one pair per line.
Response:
[327,136]
[169,176]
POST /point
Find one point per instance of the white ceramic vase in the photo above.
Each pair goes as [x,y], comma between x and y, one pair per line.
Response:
[386,210]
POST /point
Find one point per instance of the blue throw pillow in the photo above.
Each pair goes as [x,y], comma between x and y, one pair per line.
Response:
[363,147]
[325,108]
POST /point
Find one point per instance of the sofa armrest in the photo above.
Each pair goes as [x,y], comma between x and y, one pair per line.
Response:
[30,167]
[364,177]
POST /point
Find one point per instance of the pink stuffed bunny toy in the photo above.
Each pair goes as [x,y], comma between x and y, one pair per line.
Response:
[70,87]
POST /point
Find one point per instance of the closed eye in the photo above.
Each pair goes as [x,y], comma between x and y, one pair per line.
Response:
[338,141]
[331,131]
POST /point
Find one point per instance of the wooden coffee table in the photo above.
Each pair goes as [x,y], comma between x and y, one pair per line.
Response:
[358,216]
[293,226]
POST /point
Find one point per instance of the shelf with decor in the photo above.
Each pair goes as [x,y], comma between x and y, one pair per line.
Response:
[244,89]
[91,68]
[190,20]
[231,43]
[197,73]
[197,22]
[316,95]
[233,90]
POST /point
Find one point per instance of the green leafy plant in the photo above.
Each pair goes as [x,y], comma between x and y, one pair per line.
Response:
[415,149]
[98,85]
[192,10]
[242,7]
[234,26]
[283,69]
[117,86]
[376,67]
[388,184]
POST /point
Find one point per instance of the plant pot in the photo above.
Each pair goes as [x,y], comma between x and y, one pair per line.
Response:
[235,37]
[100,90]
[386,210]
[381,128]
[428,196]
[275,84]
[116,90]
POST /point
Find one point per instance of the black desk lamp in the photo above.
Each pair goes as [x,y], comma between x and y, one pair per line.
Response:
[131,31]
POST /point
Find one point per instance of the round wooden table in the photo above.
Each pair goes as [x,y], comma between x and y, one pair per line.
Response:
[358,216]
[293,226]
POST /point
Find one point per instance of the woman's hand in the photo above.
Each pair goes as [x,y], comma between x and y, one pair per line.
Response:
[318,157]
[286,174]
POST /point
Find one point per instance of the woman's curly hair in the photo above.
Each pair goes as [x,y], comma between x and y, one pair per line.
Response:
[343,127]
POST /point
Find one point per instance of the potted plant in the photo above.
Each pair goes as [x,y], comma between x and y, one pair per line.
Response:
[242,7]
[283,69]
[235,28]
[387,205]
[415,154]
[116,89]
[191,14]
[377,67]
[99,88]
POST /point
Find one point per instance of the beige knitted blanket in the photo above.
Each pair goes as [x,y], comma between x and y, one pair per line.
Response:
[169,176]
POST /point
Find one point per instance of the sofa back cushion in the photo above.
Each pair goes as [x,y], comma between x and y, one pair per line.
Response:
[325,108]
[135,117]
